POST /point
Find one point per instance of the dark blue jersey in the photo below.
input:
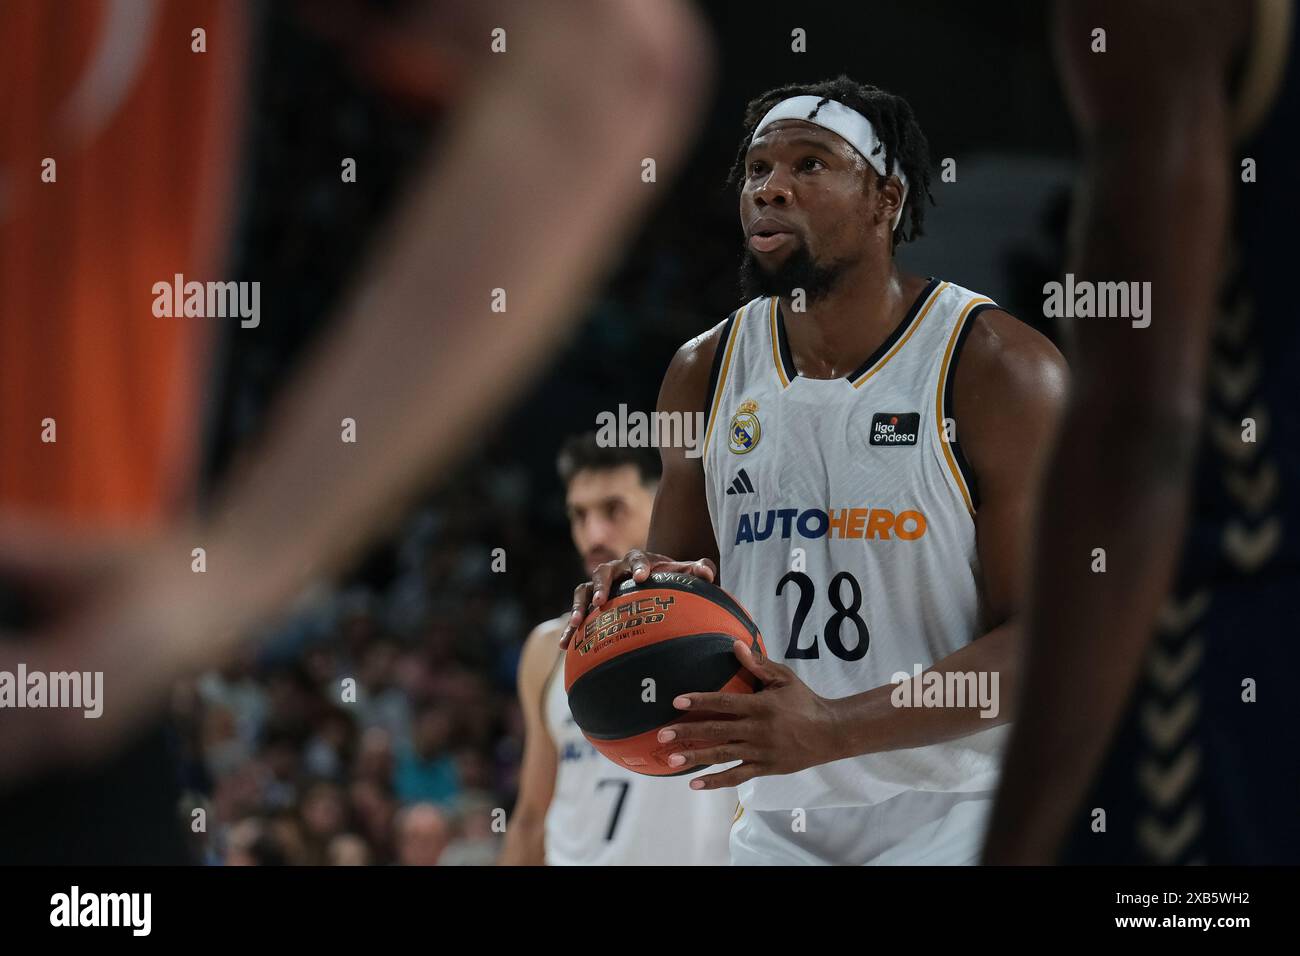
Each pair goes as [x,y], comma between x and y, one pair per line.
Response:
[1205,765]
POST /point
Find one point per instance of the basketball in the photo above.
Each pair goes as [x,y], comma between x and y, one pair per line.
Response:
[650,643]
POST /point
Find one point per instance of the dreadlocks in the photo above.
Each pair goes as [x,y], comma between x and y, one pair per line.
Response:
[896,126]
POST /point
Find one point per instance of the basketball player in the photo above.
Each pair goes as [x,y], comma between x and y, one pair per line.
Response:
[98,529]
[871,443]
[1159,693]
[575,805]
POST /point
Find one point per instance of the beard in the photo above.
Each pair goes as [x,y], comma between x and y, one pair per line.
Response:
[797,271]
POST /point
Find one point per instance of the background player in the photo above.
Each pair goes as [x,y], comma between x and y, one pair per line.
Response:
[575,806]
[872,542]
[1135,688]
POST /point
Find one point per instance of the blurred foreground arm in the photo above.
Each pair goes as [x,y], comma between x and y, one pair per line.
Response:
[538,185]
[1152,111]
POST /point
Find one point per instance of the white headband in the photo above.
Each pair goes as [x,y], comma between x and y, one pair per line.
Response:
[847,123]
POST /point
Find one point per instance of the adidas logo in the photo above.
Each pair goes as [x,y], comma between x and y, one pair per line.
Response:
[741,485]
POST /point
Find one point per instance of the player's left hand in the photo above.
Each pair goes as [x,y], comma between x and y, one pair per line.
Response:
[783,728]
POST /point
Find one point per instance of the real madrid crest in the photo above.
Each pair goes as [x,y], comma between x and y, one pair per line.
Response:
[745,428]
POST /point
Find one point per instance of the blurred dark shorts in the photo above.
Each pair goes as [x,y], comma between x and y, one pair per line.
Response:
[123,811]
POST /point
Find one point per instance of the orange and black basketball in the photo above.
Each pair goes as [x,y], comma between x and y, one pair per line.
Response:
[651,642]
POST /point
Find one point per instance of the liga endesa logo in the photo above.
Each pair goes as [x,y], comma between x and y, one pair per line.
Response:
[864,523]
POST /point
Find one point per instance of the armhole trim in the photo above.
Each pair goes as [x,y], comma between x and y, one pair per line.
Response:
[960,469]
[718,373]
[781,357]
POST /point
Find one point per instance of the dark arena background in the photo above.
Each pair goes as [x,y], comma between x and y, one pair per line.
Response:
[419,763]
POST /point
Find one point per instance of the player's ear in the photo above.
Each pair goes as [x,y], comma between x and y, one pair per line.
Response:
[889,199]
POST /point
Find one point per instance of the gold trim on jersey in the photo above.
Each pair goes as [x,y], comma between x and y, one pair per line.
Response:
[1268,48]
[938,399]
[776,355]
[722,375]
[916,324]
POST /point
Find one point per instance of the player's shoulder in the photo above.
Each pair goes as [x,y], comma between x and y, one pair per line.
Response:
[700,351]
[547,631]
[1007,372]
[687,381]
[1001,354]
[541,649]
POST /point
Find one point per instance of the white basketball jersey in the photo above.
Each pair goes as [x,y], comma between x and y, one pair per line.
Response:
[604,815]
[845,525]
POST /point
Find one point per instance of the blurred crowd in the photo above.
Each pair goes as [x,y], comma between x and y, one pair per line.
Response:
[379,725]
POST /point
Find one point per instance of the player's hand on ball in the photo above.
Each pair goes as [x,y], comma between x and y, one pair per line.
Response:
[783,728]
[637,565]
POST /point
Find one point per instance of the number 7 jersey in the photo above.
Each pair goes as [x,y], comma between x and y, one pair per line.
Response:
[602,814]
[844,516]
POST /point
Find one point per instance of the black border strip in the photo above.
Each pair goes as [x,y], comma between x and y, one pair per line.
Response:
[948,411]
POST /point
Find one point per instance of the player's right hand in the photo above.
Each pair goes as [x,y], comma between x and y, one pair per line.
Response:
[637,565]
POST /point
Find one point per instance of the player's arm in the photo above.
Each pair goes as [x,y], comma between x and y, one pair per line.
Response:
[533,193]
[1008,392]
[526,832]
[1153,114]
[680,526]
